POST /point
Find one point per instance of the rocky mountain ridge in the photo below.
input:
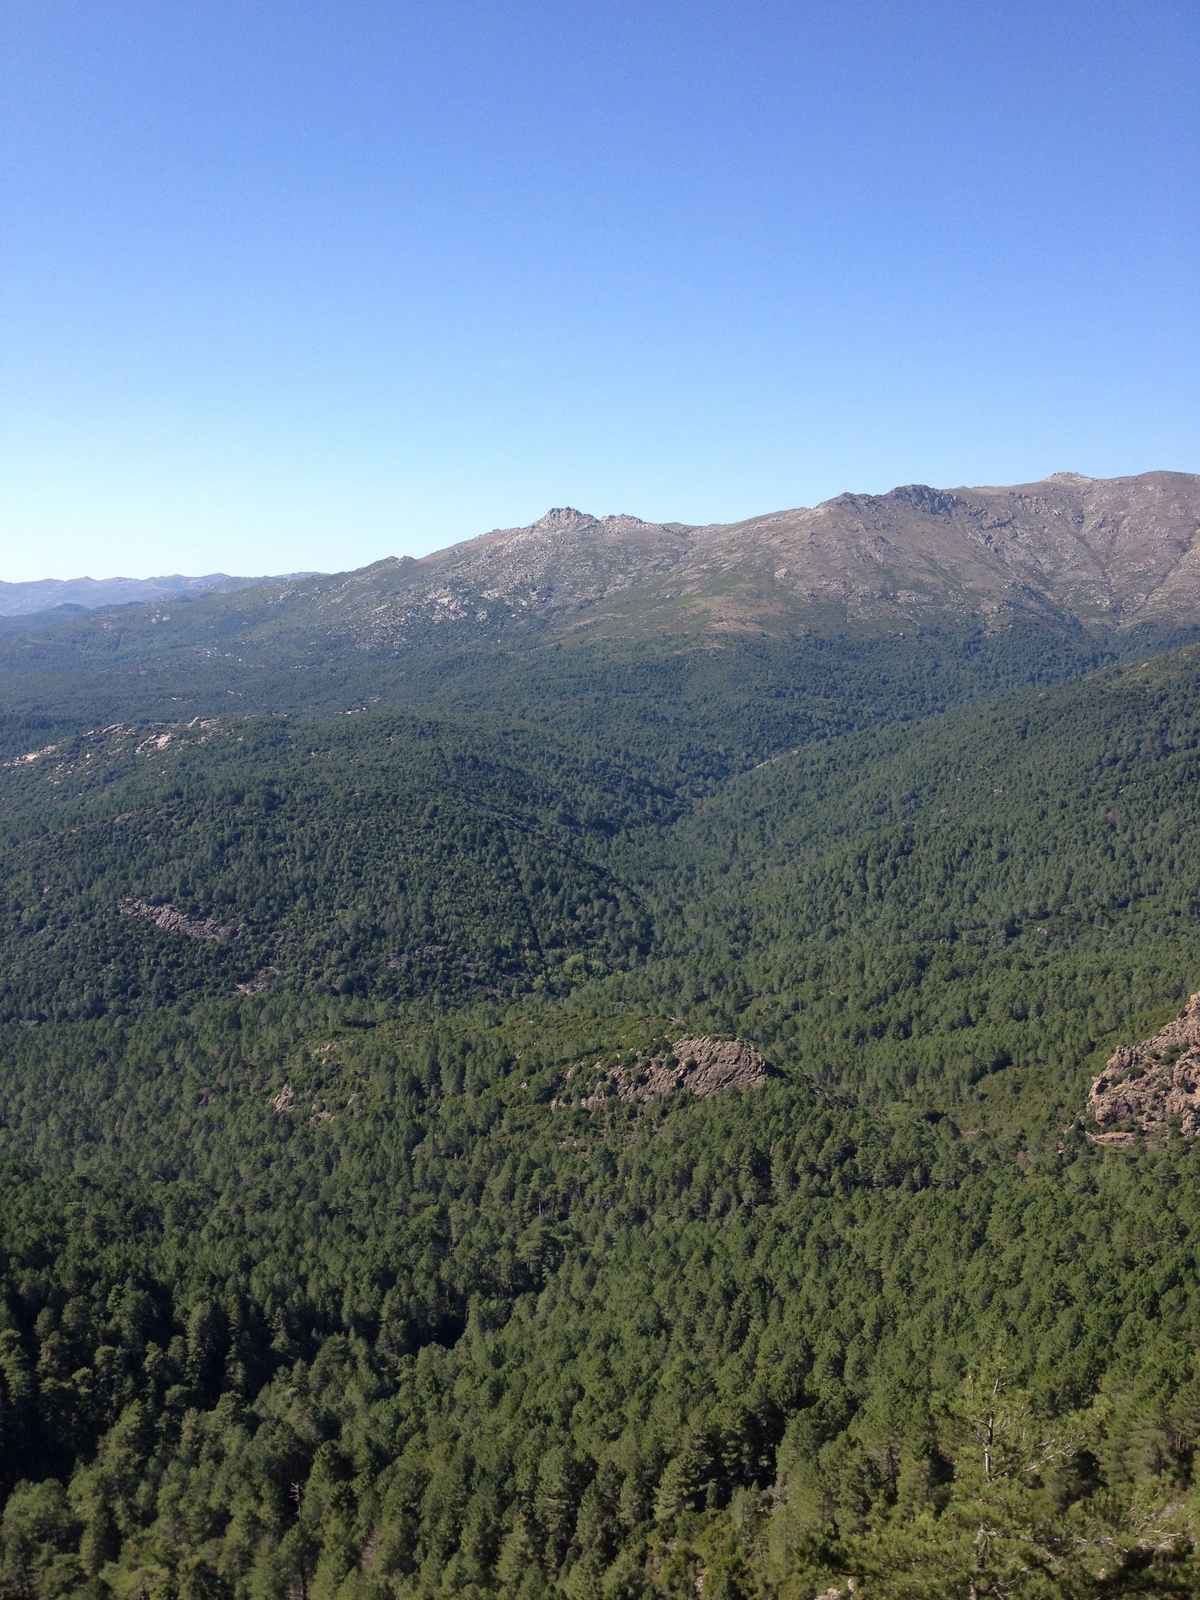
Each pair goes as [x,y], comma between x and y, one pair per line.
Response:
[565,559]
[511,577]
[1089,557]
[1107,554]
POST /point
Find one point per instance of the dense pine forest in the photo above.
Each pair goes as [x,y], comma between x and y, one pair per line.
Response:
[339,1259]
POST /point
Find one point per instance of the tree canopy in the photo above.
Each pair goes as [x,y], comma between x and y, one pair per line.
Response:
[335,1263]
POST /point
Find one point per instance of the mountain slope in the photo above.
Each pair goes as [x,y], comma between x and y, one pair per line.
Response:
[389,857]
[958,914]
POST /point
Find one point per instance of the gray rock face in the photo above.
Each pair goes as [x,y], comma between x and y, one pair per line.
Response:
[701,1065]
[1144,1085]
[167,919]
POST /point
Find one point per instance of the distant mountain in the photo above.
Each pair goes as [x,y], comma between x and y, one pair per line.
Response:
[784,621]
[23,599]
[1104,554]
[1107,554]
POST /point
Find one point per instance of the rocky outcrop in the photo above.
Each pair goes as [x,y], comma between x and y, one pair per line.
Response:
[168,920]
[701,1066]
[1146,1086]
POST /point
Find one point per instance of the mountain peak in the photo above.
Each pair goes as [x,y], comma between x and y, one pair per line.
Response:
[564,519]
[563,514]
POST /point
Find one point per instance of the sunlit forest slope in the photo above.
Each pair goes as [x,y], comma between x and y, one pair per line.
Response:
[363,1237]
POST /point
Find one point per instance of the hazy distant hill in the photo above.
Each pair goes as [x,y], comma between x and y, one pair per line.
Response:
[22,599]
[24,621]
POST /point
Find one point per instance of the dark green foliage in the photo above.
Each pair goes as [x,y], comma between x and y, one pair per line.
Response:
[998,892]
[693,709]
[398,859]
[318,1278]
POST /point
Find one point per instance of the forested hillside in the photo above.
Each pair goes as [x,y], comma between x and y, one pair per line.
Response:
[401,857]
[338,1257]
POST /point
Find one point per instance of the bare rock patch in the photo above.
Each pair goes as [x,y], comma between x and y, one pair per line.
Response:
[168,919]
[1144,1087]
[701,1065]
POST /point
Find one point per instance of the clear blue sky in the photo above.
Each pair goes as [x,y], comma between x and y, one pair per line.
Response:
[303,284]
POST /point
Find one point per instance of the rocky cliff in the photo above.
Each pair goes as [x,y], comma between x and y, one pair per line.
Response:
[1146,1086]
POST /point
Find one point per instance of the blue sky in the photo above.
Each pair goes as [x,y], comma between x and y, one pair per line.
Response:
[301,285]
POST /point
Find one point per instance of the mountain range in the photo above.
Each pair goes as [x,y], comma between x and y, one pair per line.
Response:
[86,594]
[1107,554]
